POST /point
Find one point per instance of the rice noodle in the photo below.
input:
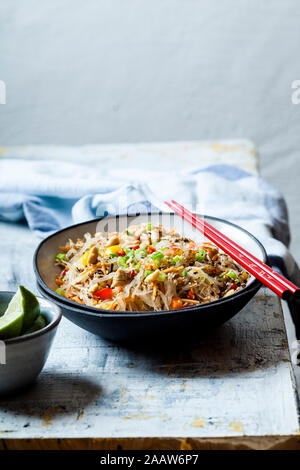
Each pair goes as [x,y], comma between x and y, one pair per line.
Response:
[102,274]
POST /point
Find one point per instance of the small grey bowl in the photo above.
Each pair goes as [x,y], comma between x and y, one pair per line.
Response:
[23,358]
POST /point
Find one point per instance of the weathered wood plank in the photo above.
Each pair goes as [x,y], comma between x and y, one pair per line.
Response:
[240,153]
[150,443]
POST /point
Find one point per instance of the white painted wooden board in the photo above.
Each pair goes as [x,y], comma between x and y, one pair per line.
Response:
[240,153]
[237,382]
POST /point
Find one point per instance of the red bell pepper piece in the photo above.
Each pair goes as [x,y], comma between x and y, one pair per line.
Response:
[151,249]
[104,294]
[233,286]
[191,295]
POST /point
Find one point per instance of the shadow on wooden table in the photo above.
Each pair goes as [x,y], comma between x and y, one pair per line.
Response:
[62,392]
[231,349]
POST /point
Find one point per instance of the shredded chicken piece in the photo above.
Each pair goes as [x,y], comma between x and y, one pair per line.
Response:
[121,278]
[113,240]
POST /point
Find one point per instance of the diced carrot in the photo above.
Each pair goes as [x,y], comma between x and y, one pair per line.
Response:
[176,303]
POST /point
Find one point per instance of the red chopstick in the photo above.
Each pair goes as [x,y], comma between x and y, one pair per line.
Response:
[261,271]
[255,270]
[207,227]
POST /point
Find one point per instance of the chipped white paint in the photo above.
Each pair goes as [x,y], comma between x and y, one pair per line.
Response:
[238,152]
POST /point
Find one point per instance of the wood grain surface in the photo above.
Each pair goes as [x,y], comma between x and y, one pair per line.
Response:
[92,393]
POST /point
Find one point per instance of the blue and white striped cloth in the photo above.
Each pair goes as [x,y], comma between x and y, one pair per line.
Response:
[51,196]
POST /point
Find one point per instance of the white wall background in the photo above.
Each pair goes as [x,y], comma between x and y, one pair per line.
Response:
[135,70]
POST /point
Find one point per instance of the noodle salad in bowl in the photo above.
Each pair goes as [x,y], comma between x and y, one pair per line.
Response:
[145,268]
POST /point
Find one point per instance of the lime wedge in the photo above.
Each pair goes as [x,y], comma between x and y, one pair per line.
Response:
[37,325]
[11,322]
[20,314]
[31,307]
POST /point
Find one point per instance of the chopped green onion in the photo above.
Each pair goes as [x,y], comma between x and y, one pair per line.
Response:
[121,262]
[176,259]
[60,291]
[113,255]
[141,251]
[60,256]
[128,233]
[161,277]
[184,273]
[149,227]
[157,256]
[130,256]
[147,272]
[233,276]
[200,255]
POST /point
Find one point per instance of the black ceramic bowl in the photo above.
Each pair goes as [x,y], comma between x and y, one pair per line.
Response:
[134,326]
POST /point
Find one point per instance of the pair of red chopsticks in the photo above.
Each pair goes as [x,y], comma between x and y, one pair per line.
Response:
[277,283]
